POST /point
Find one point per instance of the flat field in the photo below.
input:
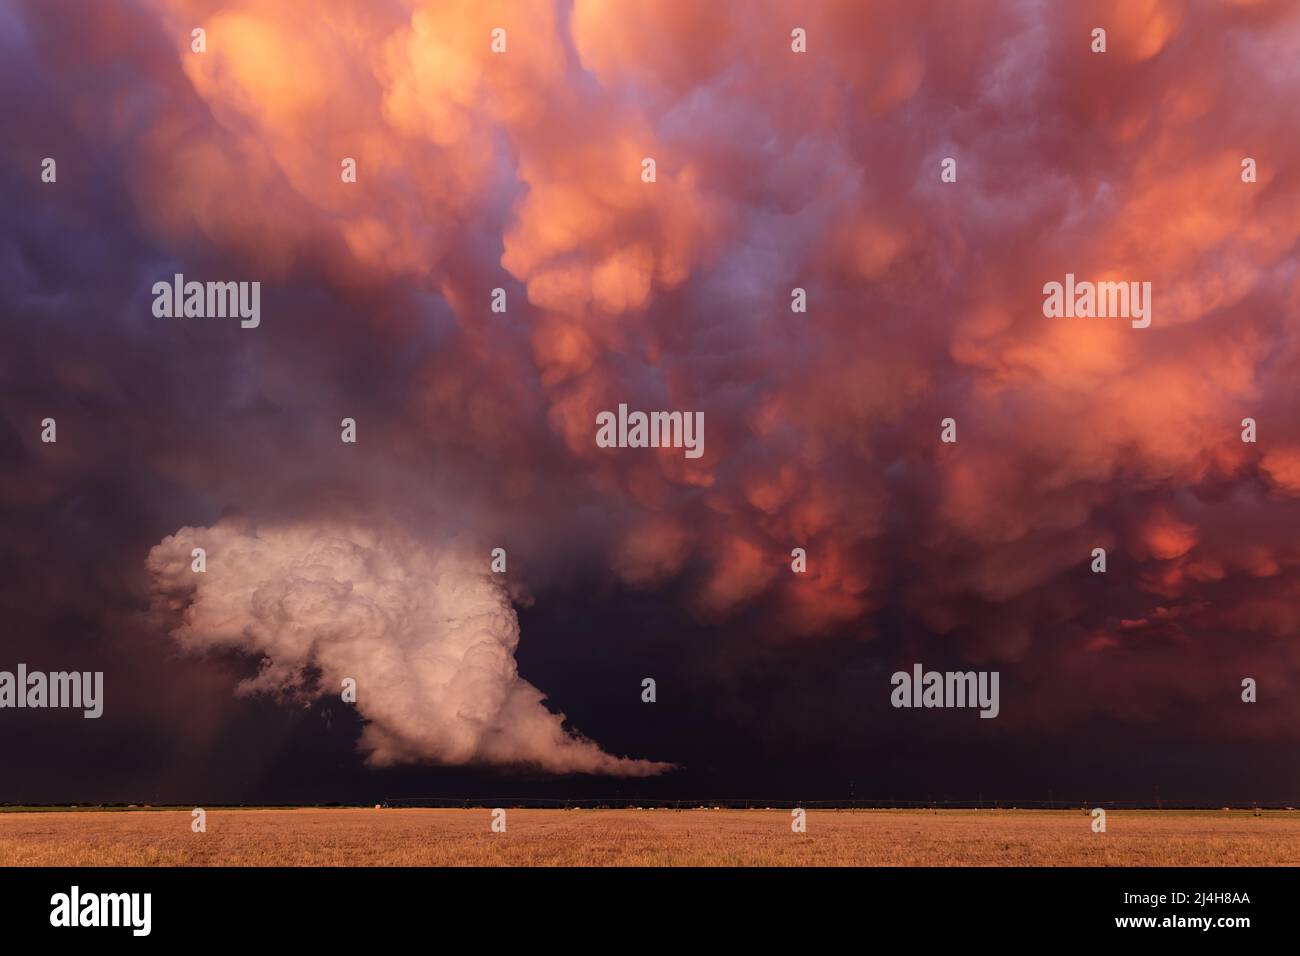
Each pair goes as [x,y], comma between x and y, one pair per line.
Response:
[429,837]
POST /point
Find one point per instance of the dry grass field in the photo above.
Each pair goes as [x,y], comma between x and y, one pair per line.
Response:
[426,837]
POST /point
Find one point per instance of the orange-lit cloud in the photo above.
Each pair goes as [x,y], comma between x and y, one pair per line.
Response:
[774,171]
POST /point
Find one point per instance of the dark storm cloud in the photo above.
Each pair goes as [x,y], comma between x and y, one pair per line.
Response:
[476,428]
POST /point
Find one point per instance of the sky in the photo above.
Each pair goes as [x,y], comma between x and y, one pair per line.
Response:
[523,170]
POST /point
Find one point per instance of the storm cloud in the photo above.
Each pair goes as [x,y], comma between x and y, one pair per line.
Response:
[521,171]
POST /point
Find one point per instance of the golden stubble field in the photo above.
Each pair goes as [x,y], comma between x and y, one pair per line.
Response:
[428,837]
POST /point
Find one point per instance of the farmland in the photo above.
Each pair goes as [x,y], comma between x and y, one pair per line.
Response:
[630,837]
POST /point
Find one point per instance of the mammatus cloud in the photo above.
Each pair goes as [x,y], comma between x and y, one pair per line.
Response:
[429,640]
[521,171]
